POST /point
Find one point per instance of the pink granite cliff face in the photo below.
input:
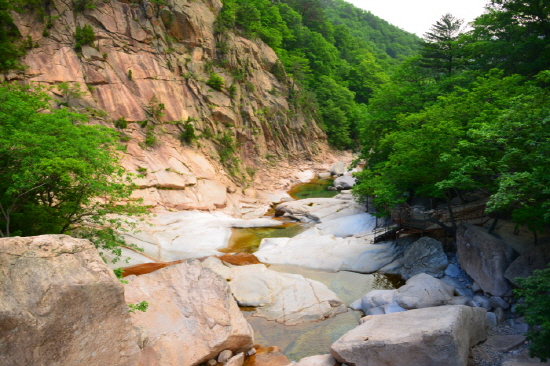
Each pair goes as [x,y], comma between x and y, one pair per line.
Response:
[145,54]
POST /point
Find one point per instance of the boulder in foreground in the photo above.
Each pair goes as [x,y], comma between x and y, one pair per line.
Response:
[61,305]
[191,318]
[440,336]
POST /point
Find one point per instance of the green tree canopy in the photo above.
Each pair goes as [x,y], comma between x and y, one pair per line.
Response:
[57,174]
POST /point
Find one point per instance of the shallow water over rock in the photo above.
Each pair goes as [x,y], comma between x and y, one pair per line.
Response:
[306,339]
[315,338]
[247,240]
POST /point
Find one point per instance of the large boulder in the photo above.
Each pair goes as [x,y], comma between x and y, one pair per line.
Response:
[344,182]
[286,298]
[319,209]
[425,255]
[377,302]
[338,168]
[440,336]
[61,305]
[423,291]
[533,259]
[191,318]
[484,257]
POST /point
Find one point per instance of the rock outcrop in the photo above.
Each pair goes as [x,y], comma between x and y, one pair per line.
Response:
[61,305]
[187,234]
[152,55]
[286,298]
[484,257]
[425,255]
[531,260]
[191,318]
[343,227]
[440,336]
[319,209]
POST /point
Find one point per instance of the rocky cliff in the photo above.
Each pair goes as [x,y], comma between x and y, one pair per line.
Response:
[153,66]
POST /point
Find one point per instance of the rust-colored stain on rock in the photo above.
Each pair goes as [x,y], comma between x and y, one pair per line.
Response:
[267,356]
[240,259]
[140,269]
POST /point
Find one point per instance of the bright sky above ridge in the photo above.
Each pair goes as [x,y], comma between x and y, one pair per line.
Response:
[417,16]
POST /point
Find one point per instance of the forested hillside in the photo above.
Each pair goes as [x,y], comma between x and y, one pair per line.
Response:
[471,111]
[338,54]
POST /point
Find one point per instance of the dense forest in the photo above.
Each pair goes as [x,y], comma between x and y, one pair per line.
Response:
[337,54]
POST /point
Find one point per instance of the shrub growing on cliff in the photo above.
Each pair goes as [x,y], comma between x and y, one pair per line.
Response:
[57,174]
[83,36]
[535,291]
[215,81]
[187,133]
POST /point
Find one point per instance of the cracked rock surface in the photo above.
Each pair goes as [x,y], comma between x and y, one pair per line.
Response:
[439,336]
[193,316]
[286,298]
[61,305]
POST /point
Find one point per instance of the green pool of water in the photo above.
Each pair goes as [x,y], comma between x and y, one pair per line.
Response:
[316,188]
[248,240]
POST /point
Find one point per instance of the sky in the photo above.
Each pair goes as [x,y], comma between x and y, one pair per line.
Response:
[417,16]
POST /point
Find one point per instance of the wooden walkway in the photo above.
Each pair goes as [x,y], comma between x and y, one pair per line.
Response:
[408,220]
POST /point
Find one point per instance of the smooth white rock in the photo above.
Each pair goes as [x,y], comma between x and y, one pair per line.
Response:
[327,253]
[188,234]
[320,209]
[343,227]
[283,297]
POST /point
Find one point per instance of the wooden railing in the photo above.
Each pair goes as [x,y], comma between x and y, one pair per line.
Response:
[406,219]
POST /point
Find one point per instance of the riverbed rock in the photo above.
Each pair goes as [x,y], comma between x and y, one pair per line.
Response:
[344,182]
[343,227]
[505,342]
[191,318]
[425,255]
[61,305]
[531,260]
[286,298]
[319,209]
[318,360]
[338,168]
[439,336]
[327,253]
[484,257]
[188,234]
[324,175]
[377,302]
[423,291]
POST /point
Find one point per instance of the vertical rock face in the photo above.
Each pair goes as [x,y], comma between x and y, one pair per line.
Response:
[145,55]
[191,318]
[484,257]
[61,306]
[439,336]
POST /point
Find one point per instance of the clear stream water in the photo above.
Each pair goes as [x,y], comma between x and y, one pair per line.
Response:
[312,338]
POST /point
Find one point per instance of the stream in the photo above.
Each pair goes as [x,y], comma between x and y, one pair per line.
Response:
[310,338]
